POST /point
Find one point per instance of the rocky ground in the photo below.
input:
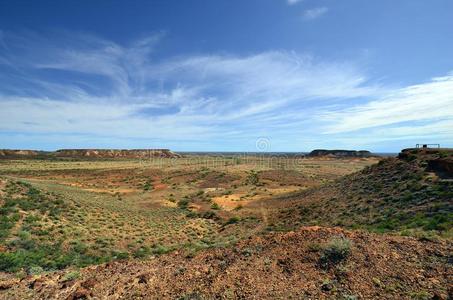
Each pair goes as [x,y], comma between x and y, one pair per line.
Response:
[310,263]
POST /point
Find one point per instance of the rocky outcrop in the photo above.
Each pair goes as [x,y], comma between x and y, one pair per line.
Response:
[444,165]
[340,153]
[439,160]
[116,153]
[8,153]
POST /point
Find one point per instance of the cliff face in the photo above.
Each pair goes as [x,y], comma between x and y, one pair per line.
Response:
[116,153]
[340,153]
[7,153]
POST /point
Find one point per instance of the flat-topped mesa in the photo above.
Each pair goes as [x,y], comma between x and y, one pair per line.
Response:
[6,153]
[116,153]
[340,153]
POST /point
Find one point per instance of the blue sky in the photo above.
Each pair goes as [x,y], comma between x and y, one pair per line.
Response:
[226,75]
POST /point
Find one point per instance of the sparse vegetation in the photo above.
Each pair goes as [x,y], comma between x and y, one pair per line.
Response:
[147,186]
[65,215]
[393,195]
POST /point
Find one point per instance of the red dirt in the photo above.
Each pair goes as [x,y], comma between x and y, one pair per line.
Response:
[278,265]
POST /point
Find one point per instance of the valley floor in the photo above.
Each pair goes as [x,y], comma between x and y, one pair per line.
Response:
[224,227]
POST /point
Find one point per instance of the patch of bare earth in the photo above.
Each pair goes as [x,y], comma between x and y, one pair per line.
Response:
[2,188]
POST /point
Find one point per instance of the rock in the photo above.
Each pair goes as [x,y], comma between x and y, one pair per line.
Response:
[143,278]
[7,284]
[80,293]
[89,283]
[327,286]
[439,296]
[444,165]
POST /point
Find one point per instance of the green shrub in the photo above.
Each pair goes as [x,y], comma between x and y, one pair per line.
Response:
[337,250]
[79,247]
[215,206]
[232,220]
[421,295]
[183,204]
[160,249]
[147,186]
[47,256]
[120,255]
[35,270]
[9,262]
[71,276]
[141,252]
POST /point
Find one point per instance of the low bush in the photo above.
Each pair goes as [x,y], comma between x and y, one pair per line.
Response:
[232,220]
[183,204]
[215,206]
[209,215]
[71,276]
[337,250]
[147,186]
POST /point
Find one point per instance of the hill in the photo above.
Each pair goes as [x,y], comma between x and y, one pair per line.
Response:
[403,193]
[7,153]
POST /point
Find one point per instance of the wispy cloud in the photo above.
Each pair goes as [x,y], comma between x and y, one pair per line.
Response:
[98,89]
[431,101]
[314,13]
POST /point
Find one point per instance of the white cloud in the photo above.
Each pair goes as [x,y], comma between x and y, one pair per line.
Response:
[314,13]
[293,2]
[99,88]
[431,101]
